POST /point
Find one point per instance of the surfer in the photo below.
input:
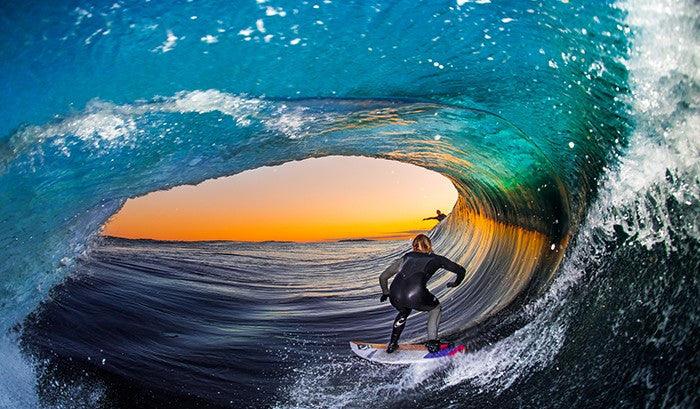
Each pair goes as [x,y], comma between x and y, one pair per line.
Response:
[409,292]
[440,216]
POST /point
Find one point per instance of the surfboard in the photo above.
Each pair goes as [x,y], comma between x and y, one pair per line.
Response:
[406,354]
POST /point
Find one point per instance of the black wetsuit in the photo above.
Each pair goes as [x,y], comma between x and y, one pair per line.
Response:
[408,290]
[439,217]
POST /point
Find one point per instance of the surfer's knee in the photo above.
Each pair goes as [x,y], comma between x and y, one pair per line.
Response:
[402,316]
[400,320]
[435,314]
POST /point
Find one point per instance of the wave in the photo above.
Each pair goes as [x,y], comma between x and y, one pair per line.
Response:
[97,159]
[561,149]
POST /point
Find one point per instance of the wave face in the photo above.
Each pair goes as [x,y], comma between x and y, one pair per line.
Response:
[569,131]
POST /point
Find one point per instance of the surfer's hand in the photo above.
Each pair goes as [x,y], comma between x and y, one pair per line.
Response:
[383,297]
[452,284]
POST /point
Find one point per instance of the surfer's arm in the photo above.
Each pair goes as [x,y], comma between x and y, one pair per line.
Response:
[390,271]
[450,265]
[430,218]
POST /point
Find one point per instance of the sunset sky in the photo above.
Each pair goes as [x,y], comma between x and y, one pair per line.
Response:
[312,200]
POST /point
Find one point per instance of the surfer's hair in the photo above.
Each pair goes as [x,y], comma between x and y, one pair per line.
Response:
[422,244]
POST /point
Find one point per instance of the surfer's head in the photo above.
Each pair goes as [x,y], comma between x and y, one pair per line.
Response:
[422,244]
[438,212]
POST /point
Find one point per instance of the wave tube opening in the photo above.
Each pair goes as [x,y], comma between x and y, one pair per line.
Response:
[318,199]
[509,227]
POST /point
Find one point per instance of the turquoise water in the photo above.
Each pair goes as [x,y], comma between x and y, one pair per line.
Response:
[574,120]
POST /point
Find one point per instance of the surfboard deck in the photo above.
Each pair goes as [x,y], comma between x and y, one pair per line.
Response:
[406,354]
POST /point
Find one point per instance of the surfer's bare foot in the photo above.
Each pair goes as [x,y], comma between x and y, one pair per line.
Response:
[392,347]
[433,345]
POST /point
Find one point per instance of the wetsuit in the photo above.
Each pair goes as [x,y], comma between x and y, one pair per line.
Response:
[439,217]
[409,292]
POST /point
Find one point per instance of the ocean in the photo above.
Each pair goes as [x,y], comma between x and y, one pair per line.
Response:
[569,129]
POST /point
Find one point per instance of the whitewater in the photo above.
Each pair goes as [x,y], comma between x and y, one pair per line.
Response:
[570,131]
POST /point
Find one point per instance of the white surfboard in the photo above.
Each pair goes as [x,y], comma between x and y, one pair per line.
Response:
[406,354]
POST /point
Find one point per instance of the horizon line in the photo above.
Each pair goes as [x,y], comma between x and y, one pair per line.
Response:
[371,238]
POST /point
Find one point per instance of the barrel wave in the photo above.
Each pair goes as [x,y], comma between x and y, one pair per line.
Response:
[569,136]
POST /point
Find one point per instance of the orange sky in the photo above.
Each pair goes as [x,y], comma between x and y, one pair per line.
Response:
[311,200]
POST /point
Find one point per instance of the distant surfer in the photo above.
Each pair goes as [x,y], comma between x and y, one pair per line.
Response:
[409,292]
[439,217]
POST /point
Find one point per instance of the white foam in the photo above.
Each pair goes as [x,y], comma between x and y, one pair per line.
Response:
[463,2]
[18,378]
[240,108]
[290,122]
[663,159]
[168,44]
[103,128]
[531,348]
[260,25]
[246,32]
[81,14]
[107,126]
[209,39]
[275,11]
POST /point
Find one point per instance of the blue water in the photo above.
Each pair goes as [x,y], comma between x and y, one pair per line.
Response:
[571,126]
[238,316]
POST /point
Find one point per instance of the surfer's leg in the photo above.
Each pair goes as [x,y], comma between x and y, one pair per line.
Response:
[432,305]
[397,329]
[399,323]
[434,316]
